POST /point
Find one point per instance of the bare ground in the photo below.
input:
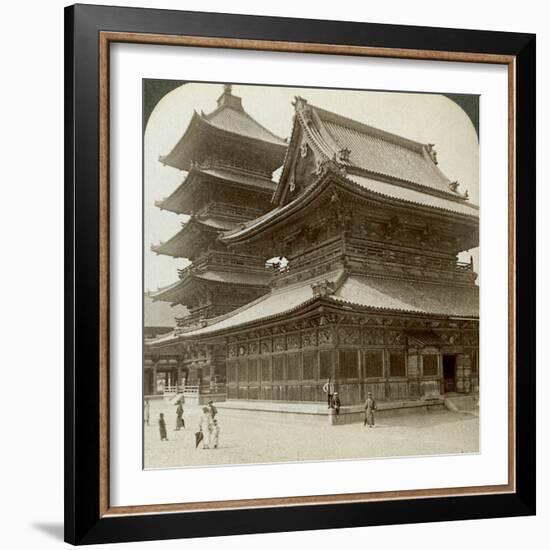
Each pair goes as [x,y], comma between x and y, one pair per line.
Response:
[246,439]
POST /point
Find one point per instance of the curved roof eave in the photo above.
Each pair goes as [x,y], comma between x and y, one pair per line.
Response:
[199,123]
[311,192]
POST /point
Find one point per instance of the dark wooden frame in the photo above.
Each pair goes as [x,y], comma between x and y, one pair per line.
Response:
[88,32]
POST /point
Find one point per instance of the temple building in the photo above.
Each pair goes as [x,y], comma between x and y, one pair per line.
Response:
[228,158]
[159,372]
[371,293]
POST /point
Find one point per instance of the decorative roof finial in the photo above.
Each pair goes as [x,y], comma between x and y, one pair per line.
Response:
[227,88]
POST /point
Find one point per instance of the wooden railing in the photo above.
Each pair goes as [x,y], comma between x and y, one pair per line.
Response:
[194,389]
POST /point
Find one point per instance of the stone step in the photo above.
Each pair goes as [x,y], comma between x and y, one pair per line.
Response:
[462,403]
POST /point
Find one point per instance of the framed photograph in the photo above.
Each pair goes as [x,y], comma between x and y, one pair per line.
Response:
[300,284]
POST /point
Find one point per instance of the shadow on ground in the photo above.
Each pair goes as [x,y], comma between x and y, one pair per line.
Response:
[54,530]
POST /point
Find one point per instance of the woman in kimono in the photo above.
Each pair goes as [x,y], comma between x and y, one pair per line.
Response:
[370,407]
[180,423]
[206,426]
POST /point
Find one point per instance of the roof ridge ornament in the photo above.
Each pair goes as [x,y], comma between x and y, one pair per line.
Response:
[323,288]
[342,155]
[325,166]
[430,148]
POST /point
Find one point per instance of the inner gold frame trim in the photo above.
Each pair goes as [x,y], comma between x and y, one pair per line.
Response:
[105,40]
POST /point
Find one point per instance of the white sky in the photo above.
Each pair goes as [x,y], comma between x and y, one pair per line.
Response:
[428,118]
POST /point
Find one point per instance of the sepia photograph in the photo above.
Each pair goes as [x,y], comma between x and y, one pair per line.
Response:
[310,274]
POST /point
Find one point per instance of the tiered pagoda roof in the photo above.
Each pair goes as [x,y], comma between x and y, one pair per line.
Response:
[194,236]
[229,158]
[220,130]
[188,197]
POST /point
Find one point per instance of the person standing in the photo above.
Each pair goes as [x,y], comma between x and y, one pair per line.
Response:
[146,412]
[216,433]
[180,423]
[162,428]
[328,388]
[336,403]
[206,427]
[213,410]
[370,407]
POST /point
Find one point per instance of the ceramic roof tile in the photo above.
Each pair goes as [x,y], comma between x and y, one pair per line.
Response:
[413,196]
[278,301]
[161,314]
[410,296]
[382,152]
[366,292]
[240,122]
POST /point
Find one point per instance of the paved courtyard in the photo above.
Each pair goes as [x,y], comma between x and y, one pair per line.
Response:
[246,439]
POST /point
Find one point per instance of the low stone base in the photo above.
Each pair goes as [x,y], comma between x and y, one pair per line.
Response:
[356,413]
[320,413]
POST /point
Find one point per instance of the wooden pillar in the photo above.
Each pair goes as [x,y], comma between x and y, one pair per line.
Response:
[155,363]
[179,381]
[413,371]
[387,386]
[467,372]
[459,373]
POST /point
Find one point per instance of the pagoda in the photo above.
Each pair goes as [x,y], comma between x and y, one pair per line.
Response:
[373,295]
[229,159]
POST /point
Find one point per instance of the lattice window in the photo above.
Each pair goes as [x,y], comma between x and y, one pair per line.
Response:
[266,369]
[243,370]
[278,367]
[253,370]
[430,365]
[231,372]
[348,364]
[373,366]
[309,358]
[293,367]
[325,364]
[397,364]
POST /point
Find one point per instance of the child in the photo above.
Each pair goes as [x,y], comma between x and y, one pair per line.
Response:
[216,434]
[162,428]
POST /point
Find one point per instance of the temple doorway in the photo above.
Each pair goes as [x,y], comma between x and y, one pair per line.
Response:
[449,372]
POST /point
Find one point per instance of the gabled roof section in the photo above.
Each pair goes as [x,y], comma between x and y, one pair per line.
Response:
[365,150]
